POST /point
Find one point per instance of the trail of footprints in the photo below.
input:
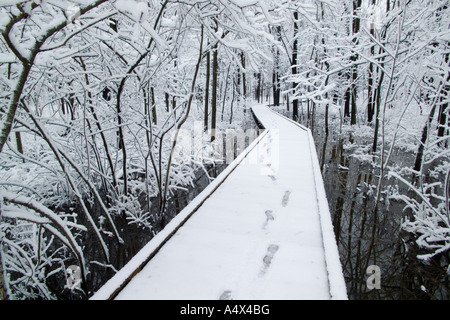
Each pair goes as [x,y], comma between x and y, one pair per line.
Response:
[267,260]
[271,249]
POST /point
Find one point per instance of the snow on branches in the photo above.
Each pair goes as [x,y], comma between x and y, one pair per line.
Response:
[91,93]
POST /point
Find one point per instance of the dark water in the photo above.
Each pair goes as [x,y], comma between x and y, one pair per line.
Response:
[369,233]
[137,236]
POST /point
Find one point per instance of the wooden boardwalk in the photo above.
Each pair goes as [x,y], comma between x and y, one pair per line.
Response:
[261,230]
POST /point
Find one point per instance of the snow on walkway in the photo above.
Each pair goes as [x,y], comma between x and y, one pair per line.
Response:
[264,233]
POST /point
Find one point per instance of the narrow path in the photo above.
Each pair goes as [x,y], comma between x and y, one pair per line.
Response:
[263,233]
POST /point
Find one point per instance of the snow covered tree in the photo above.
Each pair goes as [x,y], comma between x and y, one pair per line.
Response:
[94,94]
[427,205]
[383,65]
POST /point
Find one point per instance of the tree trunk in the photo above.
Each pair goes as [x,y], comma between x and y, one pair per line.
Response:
[276,88]
[370,102]
[370,91]
[442,118]
[258,93]
[377,97]
[208,76]
[17,134]
[294,67]
[423,140]
[154,115]
[167,98]
[244,81]
[121,138]
[215,71]
[275,74]
[347,103]
[377,101]
[354,93]
[10,113]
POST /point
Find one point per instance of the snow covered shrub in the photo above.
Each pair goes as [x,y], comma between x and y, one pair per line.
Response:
[34,252]
[91,92]
[429,217]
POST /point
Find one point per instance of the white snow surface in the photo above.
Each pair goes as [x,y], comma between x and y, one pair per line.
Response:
[265,233]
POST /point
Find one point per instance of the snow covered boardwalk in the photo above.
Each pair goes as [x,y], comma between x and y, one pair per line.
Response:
[261,230]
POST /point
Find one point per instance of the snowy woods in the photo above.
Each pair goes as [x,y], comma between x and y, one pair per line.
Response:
[94,96]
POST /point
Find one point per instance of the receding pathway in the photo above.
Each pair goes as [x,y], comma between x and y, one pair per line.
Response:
[263,233]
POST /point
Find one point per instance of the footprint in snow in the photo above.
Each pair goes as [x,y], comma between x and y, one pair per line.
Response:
[269,217]
[226,295]
[270,172]
[267,260]
[285,200]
